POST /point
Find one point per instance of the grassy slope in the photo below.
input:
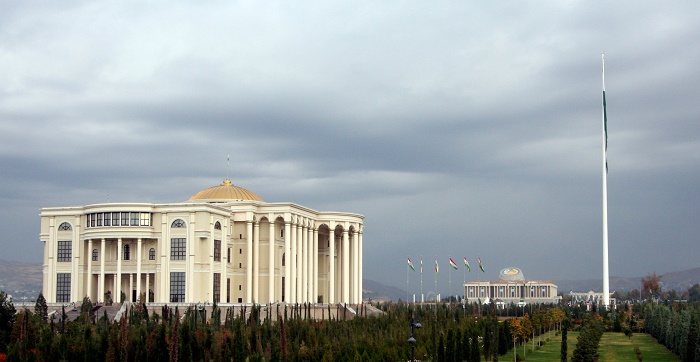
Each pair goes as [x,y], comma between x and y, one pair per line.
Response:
[617,347]
[613,347]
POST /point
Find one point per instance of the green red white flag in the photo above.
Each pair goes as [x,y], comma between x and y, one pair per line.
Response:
[605,122]
[466,264]
[410,264]
[437,267]
[453,264]
[481,266]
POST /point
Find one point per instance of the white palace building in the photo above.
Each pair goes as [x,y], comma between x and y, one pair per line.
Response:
[224,244]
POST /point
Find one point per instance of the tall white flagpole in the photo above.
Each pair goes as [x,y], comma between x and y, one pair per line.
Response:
[606,277]
[421,279]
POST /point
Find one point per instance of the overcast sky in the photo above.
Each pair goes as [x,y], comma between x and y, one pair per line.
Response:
[457,128]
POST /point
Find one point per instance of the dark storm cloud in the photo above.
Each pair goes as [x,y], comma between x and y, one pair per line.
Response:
[462,129]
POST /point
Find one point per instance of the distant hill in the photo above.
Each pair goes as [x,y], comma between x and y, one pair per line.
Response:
[679,281]
[20,280]
[376,291]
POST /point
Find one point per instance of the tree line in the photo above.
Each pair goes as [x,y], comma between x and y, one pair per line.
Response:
[450,332]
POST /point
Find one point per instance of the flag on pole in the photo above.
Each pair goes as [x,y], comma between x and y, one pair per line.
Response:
[421,265]
[453,264]
[481,266]
[410,264]
[605,121]
[466,265]
[437,267]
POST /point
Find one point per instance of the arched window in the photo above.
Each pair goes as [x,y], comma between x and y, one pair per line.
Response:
[94,254]
[65,227]
[179,223]
[152,254]
[217,226]
[127,252]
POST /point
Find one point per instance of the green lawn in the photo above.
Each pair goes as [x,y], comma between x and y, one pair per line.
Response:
[617,347]
[613,347]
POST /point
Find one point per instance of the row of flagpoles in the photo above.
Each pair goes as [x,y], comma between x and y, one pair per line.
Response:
[452,264]
[410,266]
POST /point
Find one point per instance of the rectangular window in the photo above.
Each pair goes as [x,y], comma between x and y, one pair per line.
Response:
[228,290]
[217,250]
[64,250]
[99,219]
[62,287]
[228,259]
[108,218]
[134,219]
[217,287]
[115,219]
[92,220]
[177,287]
[178,248]
[145,219]
[125,219]
[127,252]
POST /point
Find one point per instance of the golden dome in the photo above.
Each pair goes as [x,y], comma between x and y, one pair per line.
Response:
[226,192]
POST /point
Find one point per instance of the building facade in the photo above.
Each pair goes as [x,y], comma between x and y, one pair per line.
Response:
[224,244]
[507,292]
[512,288]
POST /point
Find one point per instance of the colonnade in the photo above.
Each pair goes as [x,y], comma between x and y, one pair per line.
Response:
[302,283]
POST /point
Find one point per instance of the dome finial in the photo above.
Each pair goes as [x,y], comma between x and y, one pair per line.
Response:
[227,165]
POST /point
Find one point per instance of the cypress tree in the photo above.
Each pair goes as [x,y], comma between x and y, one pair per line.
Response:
[475,349]
[466,350]
[441,350]
[692,343]
[40,308]
[450,347]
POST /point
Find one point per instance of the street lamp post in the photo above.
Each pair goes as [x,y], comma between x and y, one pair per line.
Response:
[412,340]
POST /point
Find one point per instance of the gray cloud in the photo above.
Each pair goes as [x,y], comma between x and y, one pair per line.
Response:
[462,129]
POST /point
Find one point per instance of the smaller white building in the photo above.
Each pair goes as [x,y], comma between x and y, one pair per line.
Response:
[512,288]
[589,298]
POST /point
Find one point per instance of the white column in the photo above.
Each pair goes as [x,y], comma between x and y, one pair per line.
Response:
[224,262]
[314,276]
[305,265]
[89,271]
[256,261]
[300,266]
[346,267]
[331,267]
[287,261]
[131,288]
[138,269]
[293,271]
[148,289]
[163,286]
[339,270]
[271,262]
[355,269]
[74,260]
[249,263]
[101,285]
[314,264]
[359,255]
[118,284]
